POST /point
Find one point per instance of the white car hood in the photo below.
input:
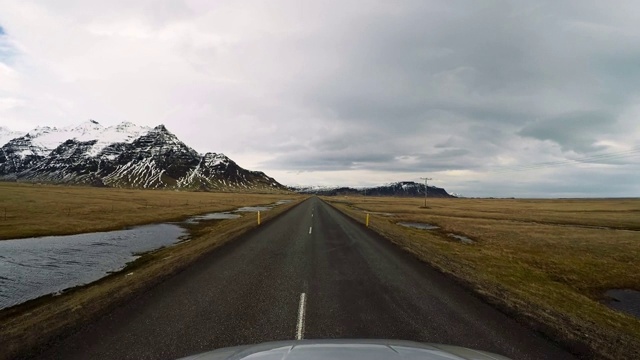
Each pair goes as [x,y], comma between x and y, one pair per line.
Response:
[346,349]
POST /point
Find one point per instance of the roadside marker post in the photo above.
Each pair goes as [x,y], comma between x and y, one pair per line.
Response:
[367,219]
[258,217]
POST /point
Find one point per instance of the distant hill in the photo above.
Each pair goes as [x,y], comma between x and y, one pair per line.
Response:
[403,188]
[124,156]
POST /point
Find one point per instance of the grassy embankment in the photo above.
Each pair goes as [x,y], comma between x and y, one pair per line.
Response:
[546,262]
[42,210]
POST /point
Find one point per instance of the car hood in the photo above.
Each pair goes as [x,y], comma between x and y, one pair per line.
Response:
[346,349]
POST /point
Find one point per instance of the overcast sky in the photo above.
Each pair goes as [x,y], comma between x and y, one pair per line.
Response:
[489,98]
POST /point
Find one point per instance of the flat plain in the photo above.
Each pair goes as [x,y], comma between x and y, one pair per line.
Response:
[28,210]
[546,262]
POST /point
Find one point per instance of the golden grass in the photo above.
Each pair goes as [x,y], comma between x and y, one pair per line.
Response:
[38,210]
[548,262]
[25,328]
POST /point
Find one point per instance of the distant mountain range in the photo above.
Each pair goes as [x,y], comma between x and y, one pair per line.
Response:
[132,156]
[125,155]
[403,188]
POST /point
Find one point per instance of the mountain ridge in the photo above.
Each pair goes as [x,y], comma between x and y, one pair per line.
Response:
[124,155]
[401,189]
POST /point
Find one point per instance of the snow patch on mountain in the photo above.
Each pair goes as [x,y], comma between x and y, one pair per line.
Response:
[213,159]
[6,135]
[44,139]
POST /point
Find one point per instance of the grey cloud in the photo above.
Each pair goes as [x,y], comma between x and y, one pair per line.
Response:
[573,183]
[409,87]
[328,162]
[574,131]
[450,142]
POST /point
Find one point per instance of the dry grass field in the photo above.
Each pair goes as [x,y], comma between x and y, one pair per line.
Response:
[31,325]
[28,210]
[547,262]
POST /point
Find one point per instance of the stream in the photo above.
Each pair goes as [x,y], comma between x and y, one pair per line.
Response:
[34,267]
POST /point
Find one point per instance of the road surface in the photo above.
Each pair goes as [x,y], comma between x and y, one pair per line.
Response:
[311,273]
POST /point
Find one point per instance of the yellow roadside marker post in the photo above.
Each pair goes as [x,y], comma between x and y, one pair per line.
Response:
[258,217]
[367,219]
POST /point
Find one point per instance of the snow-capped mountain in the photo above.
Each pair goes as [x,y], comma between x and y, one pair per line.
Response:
[403,188]
[6,135]
[44,139]
[125,155]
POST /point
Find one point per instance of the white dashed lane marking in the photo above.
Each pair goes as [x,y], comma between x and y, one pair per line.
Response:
[301,311]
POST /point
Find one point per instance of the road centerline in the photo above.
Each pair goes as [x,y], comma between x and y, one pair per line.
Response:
[301,315]
[310,229]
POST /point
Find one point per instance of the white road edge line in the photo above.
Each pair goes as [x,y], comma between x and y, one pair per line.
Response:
[301,312]
[310,228]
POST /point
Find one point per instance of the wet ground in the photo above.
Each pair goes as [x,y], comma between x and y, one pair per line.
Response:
[461,238]
[625,300]
[380,213]
[425,226]
[212,216]
[33,267]
[30,268]
[421,226]
[253,208]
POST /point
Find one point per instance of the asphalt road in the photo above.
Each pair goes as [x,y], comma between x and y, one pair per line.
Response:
[355,285]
